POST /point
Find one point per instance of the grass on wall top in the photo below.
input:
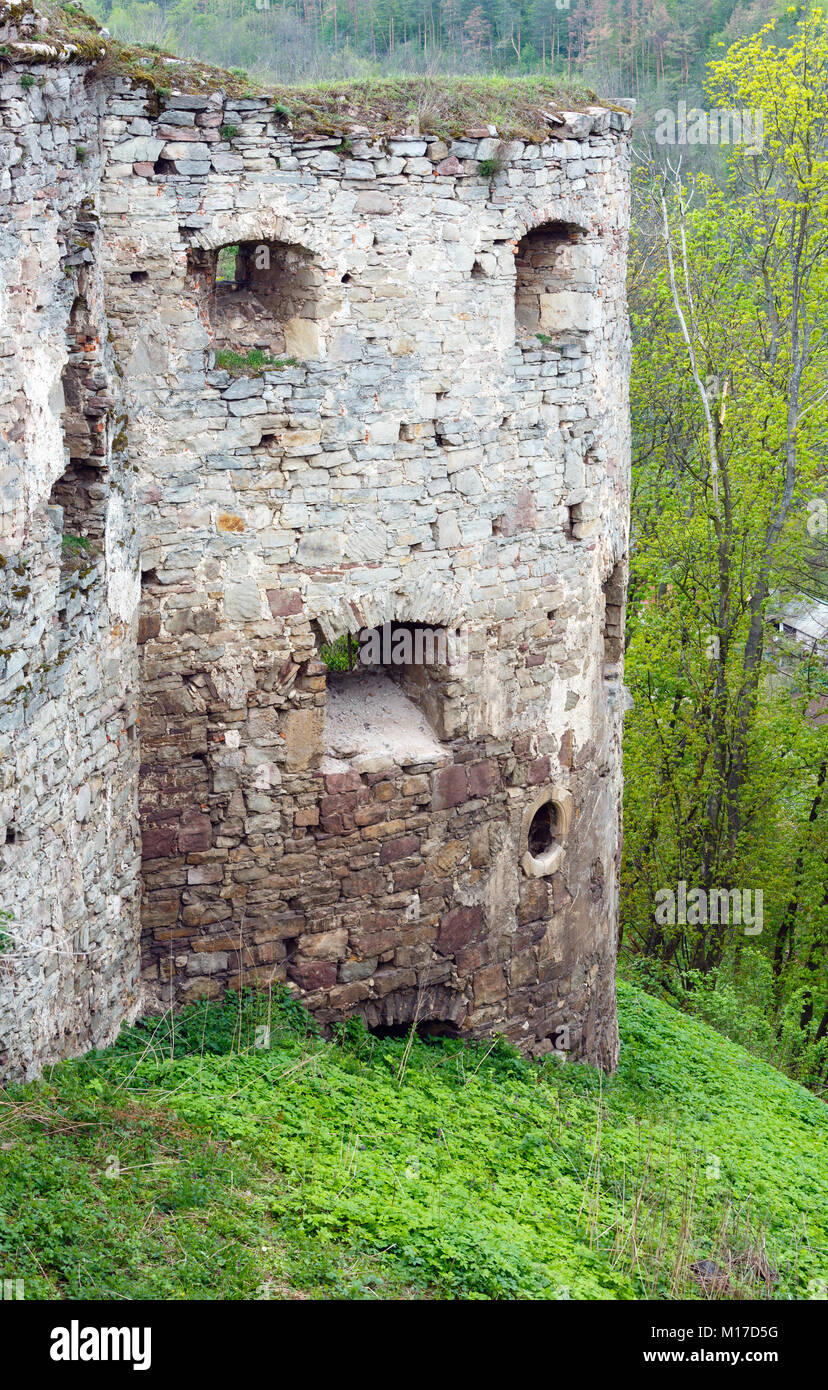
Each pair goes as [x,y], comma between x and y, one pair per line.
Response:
[445,106]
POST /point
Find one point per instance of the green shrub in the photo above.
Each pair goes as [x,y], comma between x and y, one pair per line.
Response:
[341,655]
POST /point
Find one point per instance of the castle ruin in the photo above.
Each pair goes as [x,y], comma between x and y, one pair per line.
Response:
[263,391]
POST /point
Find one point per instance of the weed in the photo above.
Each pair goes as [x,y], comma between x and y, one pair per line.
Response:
[252,362]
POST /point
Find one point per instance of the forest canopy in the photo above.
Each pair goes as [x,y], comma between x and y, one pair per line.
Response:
[622,47]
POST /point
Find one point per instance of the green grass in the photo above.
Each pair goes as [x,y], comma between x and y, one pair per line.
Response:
[252,362]
[192,1163]
[74,545]
[444,106]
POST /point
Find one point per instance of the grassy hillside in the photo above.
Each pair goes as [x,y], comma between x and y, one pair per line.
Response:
[221,1160]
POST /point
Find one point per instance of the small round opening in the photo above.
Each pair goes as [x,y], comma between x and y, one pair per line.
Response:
[543,830]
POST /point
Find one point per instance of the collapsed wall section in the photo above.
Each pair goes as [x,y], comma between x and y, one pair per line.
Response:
[69,845]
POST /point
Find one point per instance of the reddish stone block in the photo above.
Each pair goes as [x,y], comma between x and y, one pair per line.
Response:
[336,805]
[566,749]
[365,884]
[529,935]
[312,974]
[399,849]
[367,942]
[482,778]
[433,889]
[284,602]
[450,788]
[538,772]
[158,842]
[457,929]
[520,517]
[336,782]
[408,878]
[195,833]
[149,625]
[471,959]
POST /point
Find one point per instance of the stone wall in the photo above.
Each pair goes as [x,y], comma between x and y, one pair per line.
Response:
[404,450]
[69,842]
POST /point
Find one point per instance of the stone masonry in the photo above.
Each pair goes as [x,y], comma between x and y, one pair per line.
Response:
[430,437]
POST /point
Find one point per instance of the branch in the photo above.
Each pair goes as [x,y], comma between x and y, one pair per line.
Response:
[711,432]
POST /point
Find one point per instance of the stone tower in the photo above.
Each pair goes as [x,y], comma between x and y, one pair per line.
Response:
[357,392]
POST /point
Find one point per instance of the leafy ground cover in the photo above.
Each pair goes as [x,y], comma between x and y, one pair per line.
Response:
[232,1153]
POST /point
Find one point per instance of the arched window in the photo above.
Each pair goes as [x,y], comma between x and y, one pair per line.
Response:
[260,297]
[550,297]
